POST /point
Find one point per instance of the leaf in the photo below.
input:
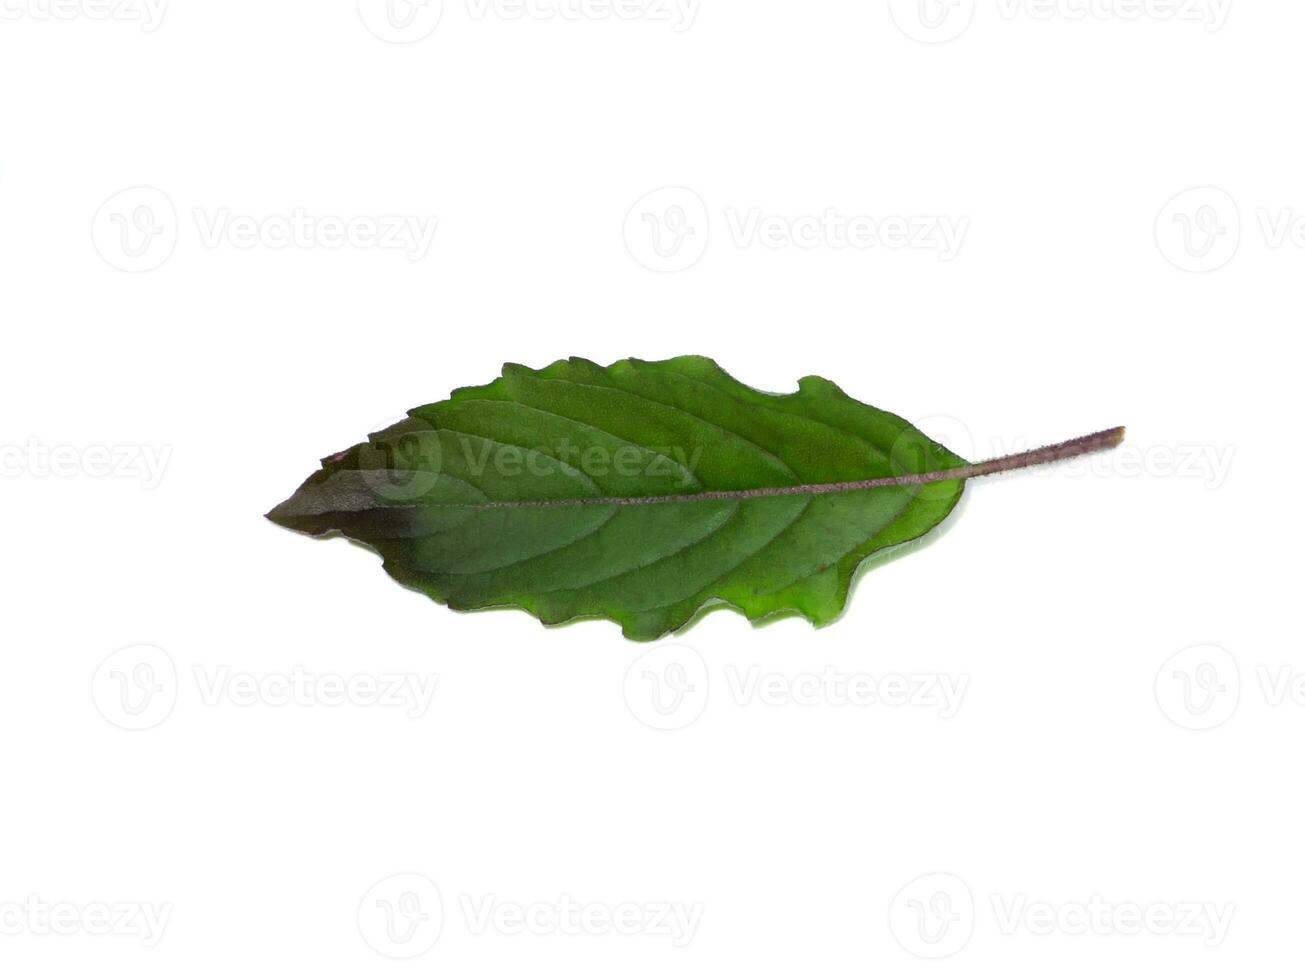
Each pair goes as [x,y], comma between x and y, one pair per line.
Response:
[641,493]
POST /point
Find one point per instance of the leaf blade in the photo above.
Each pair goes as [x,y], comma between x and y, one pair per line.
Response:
[451,497]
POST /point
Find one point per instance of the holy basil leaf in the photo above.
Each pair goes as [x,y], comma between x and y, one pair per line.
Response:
[640,492]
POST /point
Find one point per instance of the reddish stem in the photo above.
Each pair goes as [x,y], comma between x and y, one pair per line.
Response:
[1096,442]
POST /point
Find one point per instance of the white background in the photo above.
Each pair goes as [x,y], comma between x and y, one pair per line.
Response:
[1093,758]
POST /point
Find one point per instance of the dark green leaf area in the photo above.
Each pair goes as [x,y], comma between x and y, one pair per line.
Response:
[450,496]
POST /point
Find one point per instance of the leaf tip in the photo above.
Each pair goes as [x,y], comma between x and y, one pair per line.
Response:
[281,514]
[292,515]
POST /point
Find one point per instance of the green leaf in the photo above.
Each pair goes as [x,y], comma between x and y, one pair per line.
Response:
[532,492]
